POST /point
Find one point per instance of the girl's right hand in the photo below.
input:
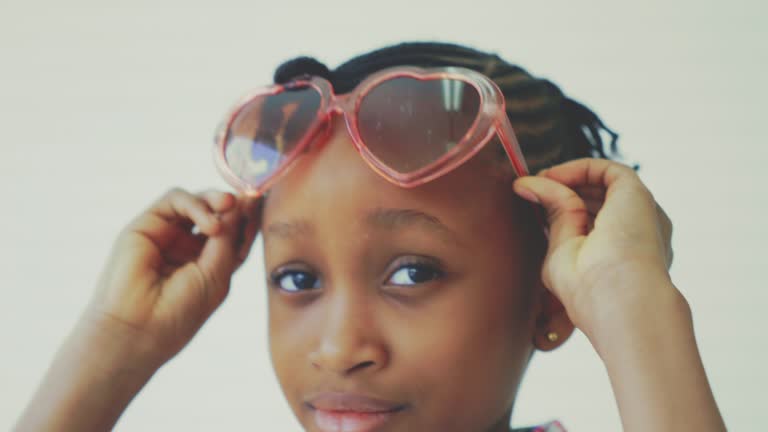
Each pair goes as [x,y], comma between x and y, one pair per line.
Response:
[161,282]
[169,270]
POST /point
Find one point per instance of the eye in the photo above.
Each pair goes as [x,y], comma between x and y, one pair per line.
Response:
[413,274]
[296,281]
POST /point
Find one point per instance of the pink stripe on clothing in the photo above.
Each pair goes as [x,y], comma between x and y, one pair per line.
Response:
[555,426]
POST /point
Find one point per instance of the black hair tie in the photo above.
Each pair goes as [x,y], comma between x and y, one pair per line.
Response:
[301,66]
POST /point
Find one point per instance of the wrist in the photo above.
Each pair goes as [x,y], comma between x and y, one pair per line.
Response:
[113,348]
[646,341]
[631,307]
[93,378]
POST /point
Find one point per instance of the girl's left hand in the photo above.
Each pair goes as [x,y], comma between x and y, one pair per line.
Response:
[609,241]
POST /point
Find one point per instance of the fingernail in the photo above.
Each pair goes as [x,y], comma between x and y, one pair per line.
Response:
[528,195]
[226,199]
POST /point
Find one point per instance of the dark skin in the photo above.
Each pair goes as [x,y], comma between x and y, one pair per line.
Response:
[418,296]
[431,298]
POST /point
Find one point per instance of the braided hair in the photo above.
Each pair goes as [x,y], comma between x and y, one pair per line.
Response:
[550,127]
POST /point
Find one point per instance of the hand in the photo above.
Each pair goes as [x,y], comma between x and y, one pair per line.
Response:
[163,280]
[608,263]
[609,241]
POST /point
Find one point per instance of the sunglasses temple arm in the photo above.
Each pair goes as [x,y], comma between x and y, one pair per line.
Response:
[512,148]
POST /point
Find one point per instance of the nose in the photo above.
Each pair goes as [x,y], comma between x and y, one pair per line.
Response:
[350,342]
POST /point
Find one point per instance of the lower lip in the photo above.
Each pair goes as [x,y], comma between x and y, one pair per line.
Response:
[350,421]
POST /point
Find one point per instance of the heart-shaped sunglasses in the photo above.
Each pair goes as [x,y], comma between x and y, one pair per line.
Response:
[410,125]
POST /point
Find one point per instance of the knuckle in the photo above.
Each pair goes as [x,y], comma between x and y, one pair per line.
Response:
[625,170]
[173,193]
[624,166]
[123,234]
[572,207]
[176,191]
[639,189]
[205,193]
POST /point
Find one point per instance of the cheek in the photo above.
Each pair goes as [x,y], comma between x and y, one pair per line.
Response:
[287,346]
[468,352]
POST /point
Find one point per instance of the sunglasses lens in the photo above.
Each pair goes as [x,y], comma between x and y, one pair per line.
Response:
[267,129]
[408,124]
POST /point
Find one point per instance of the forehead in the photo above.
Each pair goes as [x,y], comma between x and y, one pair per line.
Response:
[333,177]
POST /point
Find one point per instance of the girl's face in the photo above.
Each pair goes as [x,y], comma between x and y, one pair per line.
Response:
[398,309]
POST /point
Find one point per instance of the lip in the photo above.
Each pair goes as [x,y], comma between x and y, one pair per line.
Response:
[348,412]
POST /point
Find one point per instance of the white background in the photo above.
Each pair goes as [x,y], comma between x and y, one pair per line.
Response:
[104,105]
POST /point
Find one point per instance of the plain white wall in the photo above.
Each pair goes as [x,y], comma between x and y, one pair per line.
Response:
[104,105]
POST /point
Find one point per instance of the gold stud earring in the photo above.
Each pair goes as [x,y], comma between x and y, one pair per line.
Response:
[552,336]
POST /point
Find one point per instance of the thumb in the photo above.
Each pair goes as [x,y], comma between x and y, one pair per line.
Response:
[219,257]
[567,214]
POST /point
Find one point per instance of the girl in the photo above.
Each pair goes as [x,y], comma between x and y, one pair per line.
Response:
[414,266]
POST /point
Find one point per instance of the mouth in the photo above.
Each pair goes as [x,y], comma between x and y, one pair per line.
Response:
[346,412]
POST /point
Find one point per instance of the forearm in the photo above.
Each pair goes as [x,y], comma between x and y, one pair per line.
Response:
[91,381]
[654,365]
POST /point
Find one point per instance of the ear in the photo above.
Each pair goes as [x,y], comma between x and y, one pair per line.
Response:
[552,325]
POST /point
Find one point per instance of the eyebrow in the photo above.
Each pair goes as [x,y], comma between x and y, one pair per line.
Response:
[298,228]
[380,218]
[394,218]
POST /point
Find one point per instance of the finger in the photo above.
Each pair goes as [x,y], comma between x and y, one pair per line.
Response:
[176,208]
[567,214]
[184,249]
[221,254]
[250,231]
[593,207]
[219,202]
[626,197]
[178,204]
[594,197]
[588,172]
[665,222]
[666,230]
[187,247]
[252,206]
[596,193]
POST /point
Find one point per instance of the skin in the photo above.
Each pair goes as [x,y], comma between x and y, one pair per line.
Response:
[605,270]
[453,347]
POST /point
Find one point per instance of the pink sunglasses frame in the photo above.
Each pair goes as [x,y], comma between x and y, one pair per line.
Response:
[491,120]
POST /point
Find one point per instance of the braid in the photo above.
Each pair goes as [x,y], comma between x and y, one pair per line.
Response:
[551,128]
